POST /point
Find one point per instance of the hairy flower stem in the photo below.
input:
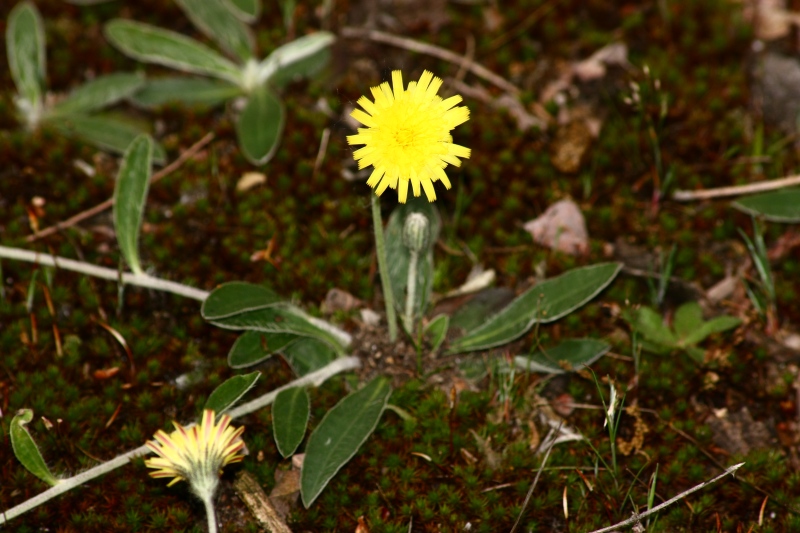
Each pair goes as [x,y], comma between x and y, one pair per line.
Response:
[212,518]
[411,292]
[380,250]
[141,280]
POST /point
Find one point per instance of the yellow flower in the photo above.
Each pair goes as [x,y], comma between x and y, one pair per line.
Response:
[196,454]
[407,135]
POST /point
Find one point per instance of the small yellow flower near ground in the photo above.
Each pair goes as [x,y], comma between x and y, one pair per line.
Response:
[196,454]
[407,135]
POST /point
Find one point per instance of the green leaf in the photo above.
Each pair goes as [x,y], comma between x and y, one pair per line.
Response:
[299,58]
[259,126]
[155,45]
[218,22]
[698,354]
[308,354]
[437,331]
[777,206]
[290,418]
[230,391]
[100,92]
[253,347]
[105,132]
[237,297]
[398,256]
[688,318]
[572,354]
[487,302]
[130,197]
[545,302]
[715,325]
[339,436]
[282,318]
[190,91]
[25,47]
[650,324]
[26,450]
[245,10]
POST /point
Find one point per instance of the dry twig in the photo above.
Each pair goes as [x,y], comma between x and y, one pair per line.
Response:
[99,208]
[736,190]
[637,517]
[431,50]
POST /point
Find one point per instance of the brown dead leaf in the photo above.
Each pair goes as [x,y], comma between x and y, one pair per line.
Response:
[105,373]
[561,227]
[595,66]
[493,459]
[737,433]
[339,300]
[770,18]
[250,180]
[362,525]
[640,429]
[286,493]
[570,145]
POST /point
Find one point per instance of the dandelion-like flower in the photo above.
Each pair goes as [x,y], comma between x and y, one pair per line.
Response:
[196,454]
[407,135]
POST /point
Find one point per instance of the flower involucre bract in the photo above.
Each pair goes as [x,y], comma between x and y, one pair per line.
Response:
[196,454]
[407,135]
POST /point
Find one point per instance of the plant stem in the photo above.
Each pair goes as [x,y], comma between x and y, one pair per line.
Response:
[411,292]
[383,268]
[316,378]
[208,503]
[140,280]
[68,484]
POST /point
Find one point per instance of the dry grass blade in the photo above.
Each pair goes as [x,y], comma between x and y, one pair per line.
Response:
[553,440]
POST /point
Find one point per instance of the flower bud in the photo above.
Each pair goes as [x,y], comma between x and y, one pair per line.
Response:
[415,232]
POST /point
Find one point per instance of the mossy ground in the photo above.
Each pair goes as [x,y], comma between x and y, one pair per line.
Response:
[432,471]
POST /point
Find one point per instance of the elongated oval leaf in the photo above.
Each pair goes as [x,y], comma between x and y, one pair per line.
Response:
[285,57]
[650,324]
[777,206]
[308,354]
[545,302]
[190,91]
[26,450]
[230,392]
[105,132]
[687,319]
[218,22]
[245,10]
[715,325]
[570,355]
[100,92]
[25,47]
[290,418]
[237,297]
[130,196]
[155,45]
[280,319]
[253,347]
[259,126]
[339,436]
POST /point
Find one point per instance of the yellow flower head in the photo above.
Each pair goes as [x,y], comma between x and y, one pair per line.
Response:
[196,454]
[407,135]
